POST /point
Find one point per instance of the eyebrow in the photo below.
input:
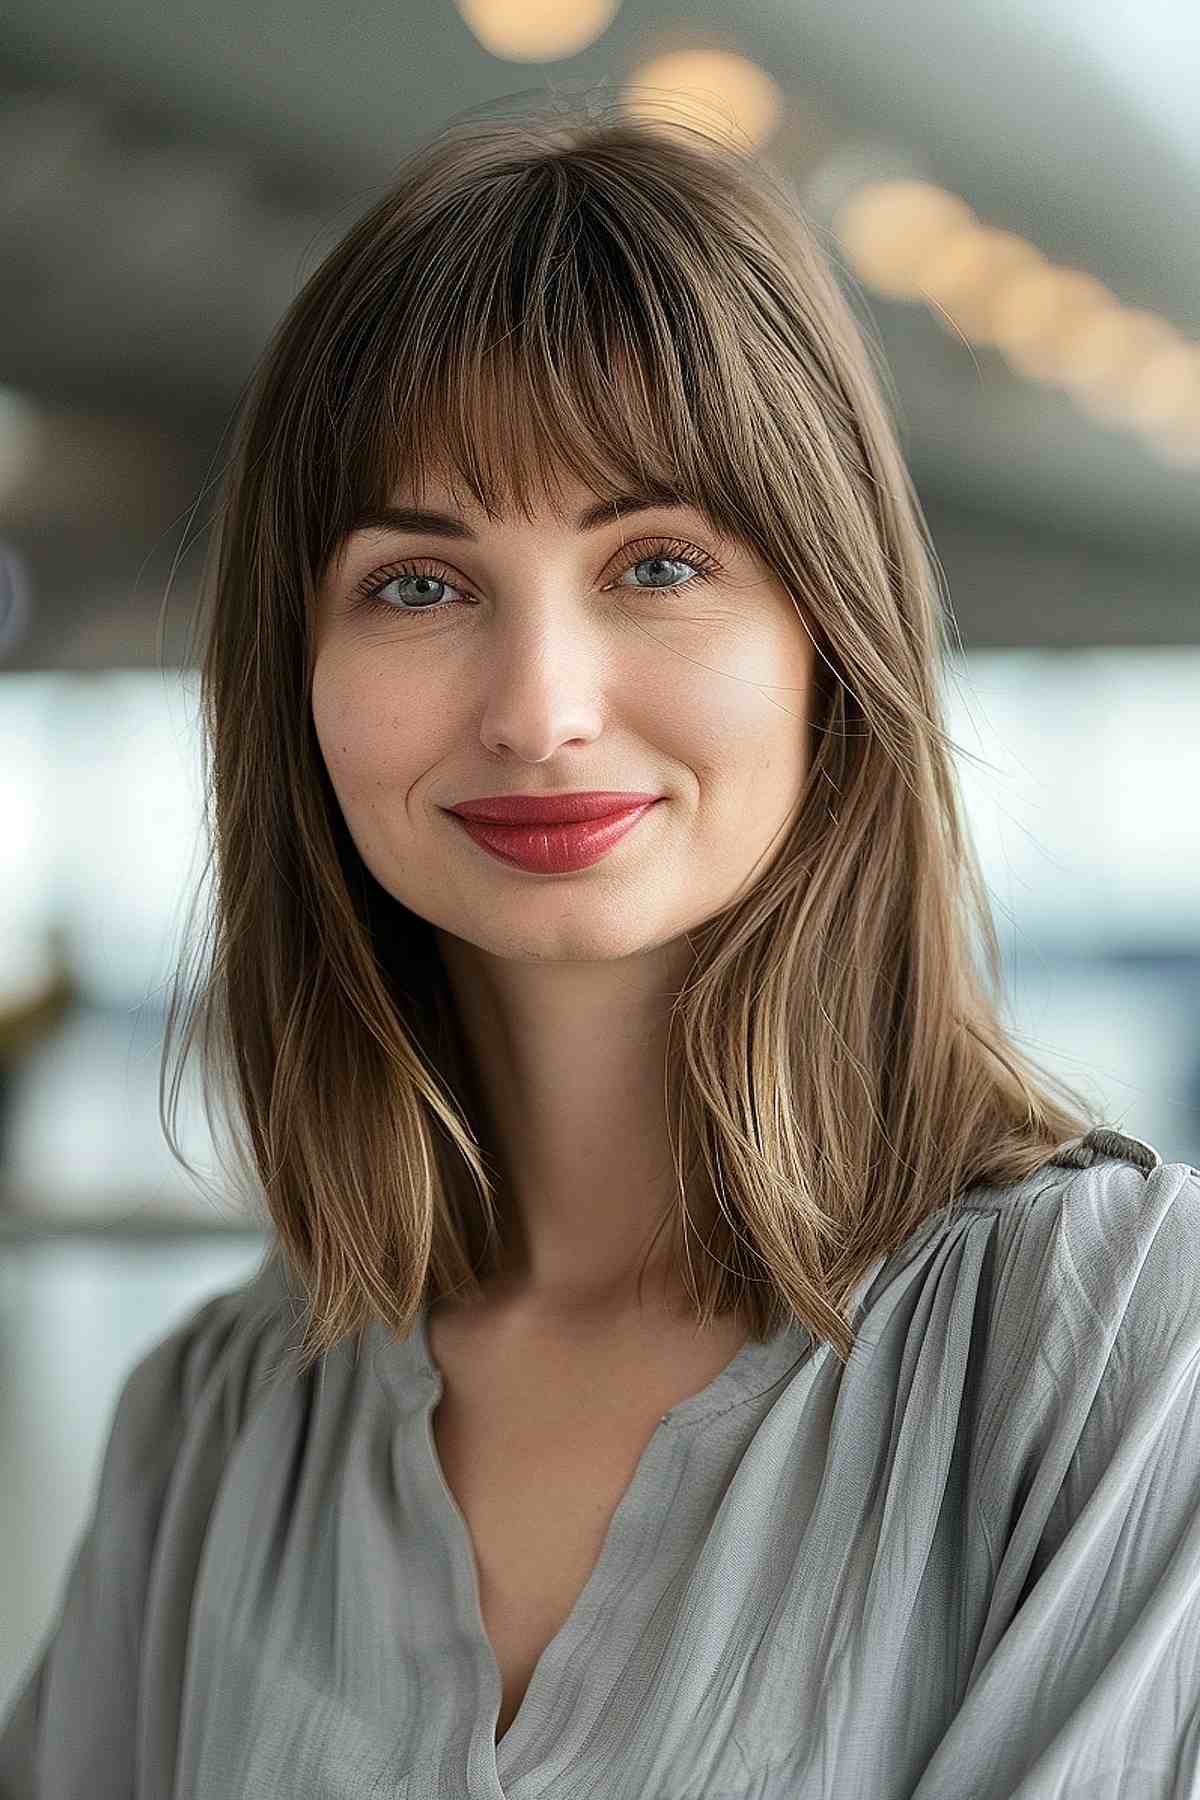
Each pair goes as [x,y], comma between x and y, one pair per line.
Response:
[440,524]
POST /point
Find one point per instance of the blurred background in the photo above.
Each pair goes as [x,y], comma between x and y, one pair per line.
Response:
[1008,193]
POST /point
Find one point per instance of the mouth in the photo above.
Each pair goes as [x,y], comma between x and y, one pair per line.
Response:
[555,847]
[550,809]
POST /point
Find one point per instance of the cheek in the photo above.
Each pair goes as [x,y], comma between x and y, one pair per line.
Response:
[366,737]
[760,737]
[752,703]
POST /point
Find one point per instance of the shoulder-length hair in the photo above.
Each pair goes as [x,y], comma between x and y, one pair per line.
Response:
[640,304]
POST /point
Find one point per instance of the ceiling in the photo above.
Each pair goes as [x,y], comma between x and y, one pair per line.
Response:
[169,175]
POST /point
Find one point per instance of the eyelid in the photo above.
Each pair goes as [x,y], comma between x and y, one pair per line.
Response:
[652,542]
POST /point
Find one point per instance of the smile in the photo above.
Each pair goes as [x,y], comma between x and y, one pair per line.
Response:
[554,849]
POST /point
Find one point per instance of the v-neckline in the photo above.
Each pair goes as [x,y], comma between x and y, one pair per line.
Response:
[510,1768]
[753,1368]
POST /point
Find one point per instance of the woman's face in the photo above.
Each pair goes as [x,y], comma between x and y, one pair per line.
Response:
[645,654]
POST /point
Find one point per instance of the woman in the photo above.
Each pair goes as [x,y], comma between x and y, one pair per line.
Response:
[712,1326]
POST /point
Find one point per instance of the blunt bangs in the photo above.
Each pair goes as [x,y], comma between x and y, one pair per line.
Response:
[565,350]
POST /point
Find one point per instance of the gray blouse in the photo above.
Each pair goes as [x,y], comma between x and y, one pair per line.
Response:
[964,1567]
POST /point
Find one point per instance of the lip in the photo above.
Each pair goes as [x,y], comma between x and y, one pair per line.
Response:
[549,809]
[555,849]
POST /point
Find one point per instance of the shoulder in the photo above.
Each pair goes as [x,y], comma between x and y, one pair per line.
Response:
[228,1336]
[187,1399]
[1106,1236]
[179,1412]
[1097,1244]
[1087,1314]
[1079,1446]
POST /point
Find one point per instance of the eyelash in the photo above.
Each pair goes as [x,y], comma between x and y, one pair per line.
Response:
[369,589]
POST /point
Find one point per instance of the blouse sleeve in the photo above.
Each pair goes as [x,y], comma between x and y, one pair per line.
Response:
[1086,1685]
[73,1729]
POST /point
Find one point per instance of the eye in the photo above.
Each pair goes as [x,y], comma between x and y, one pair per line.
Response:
[668,552]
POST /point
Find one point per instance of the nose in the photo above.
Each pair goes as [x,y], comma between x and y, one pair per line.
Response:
[546,690]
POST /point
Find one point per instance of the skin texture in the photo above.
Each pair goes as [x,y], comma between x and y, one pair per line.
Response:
[558,659]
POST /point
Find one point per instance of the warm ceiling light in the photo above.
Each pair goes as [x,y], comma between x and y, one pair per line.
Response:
[536,30]
[1126,366]
[1168,390]
[964,275]
[702,83]
[1130,338]
[892,230]
[1040,314]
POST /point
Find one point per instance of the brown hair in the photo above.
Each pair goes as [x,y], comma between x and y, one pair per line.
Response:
[643,303]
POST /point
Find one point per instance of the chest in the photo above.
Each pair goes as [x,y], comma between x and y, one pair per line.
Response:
[538,1456]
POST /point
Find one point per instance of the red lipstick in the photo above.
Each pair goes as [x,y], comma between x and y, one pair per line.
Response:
[549,809]
[550,848]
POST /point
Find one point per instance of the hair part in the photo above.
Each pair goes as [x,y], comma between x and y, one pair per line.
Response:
[641,305]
